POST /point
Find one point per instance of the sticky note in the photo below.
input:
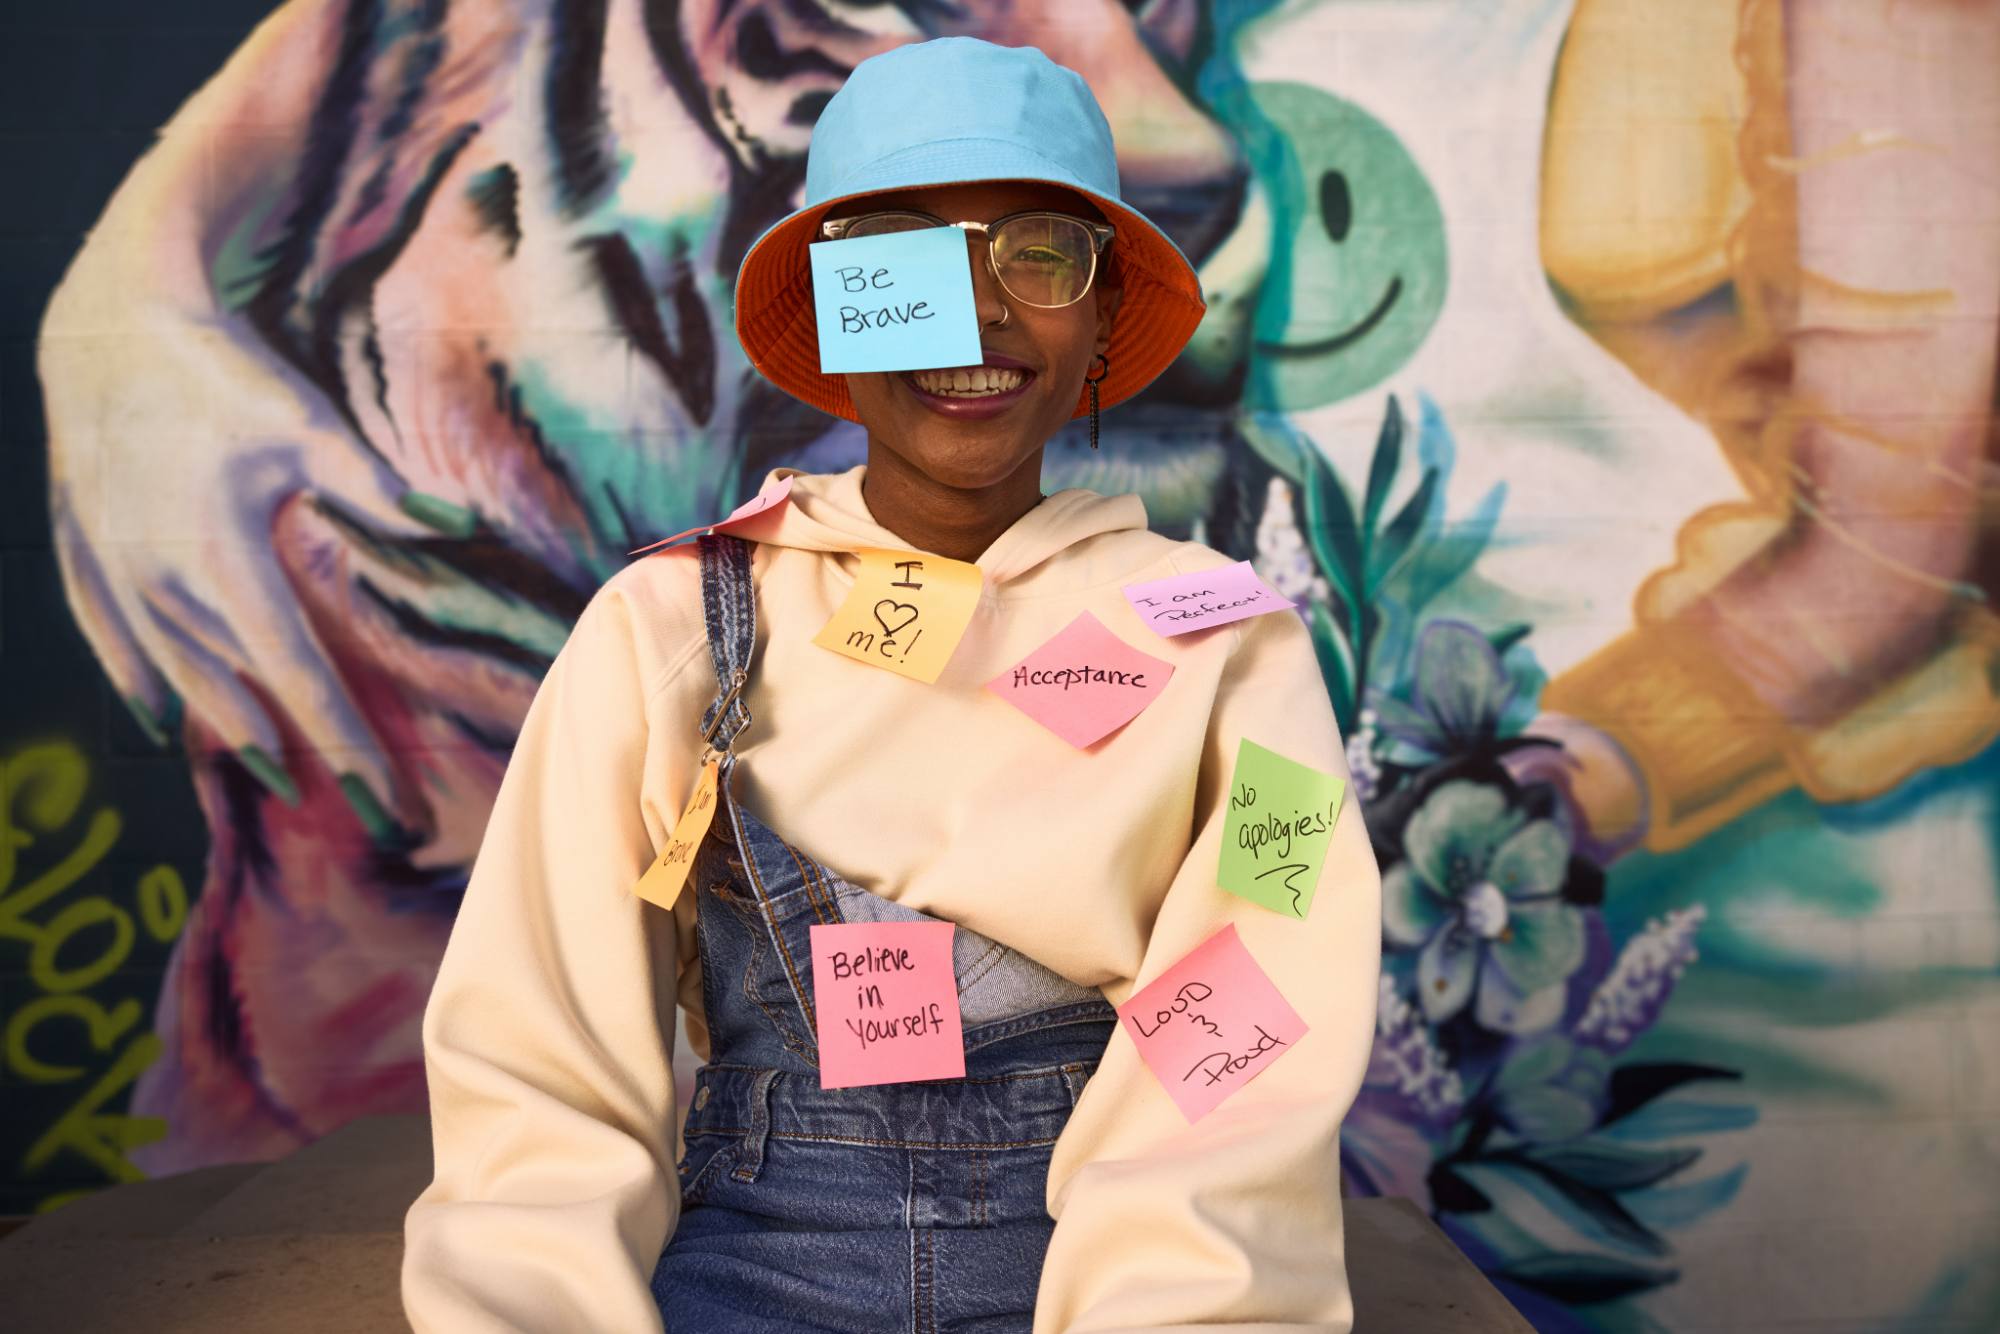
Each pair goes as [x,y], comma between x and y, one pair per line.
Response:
[1281,817]
[895,303]
[1084,683]
[663,879]
[906,612]
[885,1003]
[769,498]
[1210,1024]
[1184,602]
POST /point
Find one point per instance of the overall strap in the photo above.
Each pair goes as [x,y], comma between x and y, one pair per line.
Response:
[729,605]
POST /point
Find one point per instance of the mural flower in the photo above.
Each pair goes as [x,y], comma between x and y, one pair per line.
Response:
[1479,895]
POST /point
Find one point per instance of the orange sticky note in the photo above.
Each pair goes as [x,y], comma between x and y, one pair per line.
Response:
[1210,1024]
[885,1000]
[663,879]
[906,612]
[1084,683]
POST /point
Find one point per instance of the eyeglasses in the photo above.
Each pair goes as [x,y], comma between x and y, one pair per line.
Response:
[1039,259]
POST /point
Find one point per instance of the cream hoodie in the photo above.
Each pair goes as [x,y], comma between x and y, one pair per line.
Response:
[547,1037]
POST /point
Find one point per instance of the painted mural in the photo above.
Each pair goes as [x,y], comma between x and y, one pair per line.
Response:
[1611,381]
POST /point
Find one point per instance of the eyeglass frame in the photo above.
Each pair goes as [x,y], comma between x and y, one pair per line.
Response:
[1102,234]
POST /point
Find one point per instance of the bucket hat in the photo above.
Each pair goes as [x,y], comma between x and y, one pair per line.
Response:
[951,111]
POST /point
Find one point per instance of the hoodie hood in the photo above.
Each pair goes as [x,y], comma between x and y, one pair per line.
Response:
[826,513]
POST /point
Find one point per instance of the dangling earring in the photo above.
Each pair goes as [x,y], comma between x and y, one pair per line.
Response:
[1092,381]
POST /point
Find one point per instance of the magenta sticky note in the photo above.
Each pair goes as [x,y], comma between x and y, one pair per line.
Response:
[1184,602]
[769,498]
[1211,1023]
[885,1001]
[1084,683]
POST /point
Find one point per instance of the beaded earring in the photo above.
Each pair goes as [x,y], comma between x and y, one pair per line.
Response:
[1093,381]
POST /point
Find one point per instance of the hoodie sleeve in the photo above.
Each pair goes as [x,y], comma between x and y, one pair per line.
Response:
[1233,1221]
[548,1036]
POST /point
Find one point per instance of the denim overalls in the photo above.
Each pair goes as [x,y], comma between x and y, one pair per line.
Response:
[902,1207]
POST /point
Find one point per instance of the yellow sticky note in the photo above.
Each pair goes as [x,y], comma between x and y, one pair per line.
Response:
[906,612]
[663,879]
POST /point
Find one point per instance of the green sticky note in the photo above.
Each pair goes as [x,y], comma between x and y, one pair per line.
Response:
[1281,817]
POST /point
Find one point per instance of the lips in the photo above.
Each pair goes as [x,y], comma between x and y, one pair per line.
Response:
[972,392]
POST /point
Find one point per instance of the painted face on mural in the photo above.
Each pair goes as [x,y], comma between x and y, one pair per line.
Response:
[972,427]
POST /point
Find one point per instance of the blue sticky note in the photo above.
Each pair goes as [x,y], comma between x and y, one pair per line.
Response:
[895,303]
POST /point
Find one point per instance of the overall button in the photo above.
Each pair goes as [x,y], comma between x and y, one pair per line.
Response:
[701,1097]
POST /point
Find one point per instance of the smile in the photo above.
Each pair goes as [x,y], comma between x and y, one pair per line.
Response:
[970,382]
[1321,347]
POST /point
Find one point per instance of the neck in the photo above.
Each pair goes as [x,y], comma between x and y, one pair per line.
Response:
[955,522]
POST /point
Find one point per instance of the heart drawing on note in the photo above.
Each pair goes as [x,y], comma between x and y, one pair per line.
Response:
[893,630]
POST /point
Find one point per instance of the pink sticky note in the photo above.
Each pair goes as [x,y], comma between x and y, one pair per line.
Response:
[769,498]
[886,1002]
[1210,1024]
[1184,602]
[1084,683]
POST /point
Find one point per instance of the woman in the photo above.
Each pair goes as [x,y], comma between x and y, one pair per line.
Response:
[1017,1197]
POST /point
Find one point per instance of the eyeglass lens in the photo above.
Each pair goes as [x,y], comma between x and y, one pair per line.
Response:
[1042,259]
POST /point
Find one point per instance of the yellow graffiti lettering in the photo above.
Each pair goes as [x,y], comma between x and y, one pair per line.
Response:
[105,1028]
[78,916]
[49,780]
[163,902]
[105,1139]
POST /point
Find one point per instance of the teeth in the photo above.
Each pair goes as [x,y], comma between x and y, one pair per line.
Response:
[970,381]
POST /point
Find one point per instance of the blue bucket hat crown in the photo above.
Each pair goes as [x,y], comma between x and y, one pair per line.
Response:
[951,111]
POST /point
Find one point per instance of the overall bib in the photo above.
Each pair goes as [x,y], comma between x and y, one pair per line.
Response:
[903,1207]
